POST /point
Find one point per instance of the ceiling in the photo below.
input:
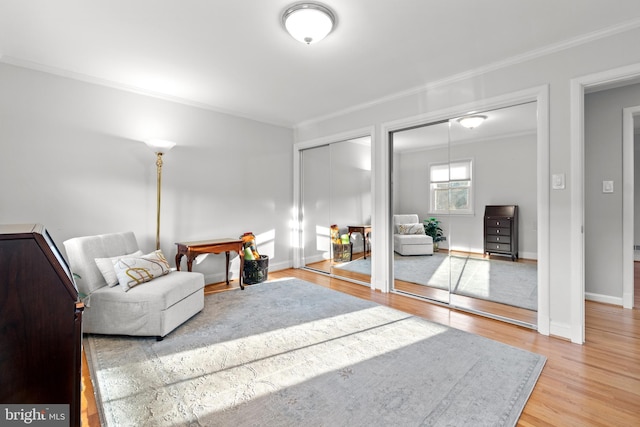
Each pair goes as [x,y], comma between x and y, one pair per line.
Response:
[234,56]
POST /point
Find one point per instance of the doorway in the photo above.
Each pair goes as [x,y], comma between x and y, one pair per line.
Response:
[601,182]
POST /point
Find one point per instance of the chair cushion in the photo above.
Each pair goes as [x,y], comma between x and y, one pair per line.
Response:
[134,270]
[105,265]
[157,295]
[411,229]
[404,219]
[83,251]
[412,239]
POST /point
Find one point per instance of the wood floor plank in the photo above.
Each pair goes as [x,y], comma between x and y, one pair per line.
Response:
[595,384]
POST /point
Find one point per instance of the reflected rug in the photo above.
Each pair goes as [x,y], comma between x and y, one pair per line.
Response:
[289,353]
[505,282]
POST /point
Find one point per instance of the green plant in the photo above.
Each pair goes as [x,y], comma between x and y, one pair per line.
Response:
[432,228]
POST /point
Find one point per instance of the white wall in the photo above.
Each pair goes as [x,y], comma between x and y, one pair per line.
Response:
[556,69]
[504,172]
[603,211]
[72,159]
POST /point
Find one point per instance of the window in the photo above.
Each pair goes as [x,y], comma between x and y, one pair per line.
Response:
[450,188]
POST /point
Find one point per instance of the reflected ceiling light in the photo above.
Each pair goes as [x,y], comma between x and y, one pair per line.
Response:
[471,122]
[308,22]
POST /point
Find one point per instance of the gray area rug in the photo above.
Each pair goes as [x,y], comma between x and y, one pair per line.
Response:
[505,282]
[429,270]
[290,353]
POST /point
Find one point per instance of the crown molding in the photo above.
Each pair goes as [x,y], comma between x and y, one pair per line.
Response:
[132,89]
[511,61]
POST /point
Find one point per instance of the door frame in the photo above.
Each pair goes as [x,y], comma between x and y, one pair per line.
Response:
[578,86]
[629,115]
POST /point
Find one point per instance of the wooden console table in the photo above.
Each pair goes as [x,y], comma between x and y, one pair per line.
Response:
[216,246]
[365,230]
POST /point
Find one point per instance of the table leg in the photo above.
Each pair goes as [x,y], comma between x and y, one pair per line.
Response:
[366,243]
[241,255]
[178,258]
[189,262]
[227,266]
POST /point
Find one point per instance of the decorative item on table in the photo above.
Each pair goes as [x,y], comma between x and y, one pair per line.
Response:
[432,228]
[340,244]
[256,266]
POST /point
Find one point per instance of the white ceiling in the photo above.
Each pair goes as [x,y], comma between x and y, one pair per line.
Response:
[234,56]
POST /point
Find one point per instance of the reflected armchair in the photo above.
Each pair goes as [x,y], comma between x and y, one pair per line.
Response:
[409,237]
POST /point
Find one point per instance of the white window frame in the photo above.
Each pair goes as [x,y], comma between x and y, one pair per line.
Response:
[443,178]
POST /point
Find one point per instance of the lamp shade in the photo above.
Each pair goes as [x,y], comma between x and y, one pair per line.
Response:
[160,145]
[308,22]
[471,122]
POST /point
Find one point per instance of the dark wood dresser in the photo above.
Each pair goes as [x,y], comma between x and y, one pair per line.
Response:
[40,322]
[501,230]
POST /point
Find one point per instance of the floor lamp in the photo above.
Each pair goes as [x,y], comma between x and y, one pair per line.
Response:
[159,146]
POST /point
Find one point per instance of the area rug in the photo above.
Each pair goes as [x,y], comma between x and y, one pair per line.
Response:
[505,282]
[429,270]
[291,353]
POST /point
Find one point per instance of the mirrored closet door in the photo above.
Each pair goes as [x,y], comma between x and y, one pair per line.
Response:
[421,264]
[336,208]
[478,183]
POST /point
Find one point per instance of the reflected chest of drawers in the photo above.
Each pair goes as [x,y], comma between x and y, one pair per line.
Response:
[501,230]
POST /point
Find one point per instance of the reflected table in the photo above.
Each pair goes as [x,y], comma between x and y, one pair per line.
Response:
[365,230]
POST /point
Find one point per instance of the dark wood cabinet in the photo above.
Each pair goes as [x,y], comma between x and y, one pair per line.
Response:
[40,322]
[501,230]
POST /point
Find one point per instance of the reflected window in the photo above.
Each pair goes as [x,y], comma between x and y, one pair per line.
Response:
[451,188]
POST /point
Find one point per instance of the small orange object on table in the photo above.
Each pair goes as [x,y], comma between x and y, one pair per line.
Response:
[216,246]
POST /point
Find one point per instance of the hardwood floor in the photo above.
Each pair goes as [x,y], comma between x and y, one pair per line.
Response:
[595,384]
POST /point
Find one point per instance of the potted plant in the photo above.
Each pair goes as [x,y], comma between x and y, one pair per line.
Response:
[432,228]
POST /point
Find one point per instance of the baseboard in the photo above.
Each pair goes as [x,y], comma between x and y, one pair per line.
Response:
[219,277]
[314,258]
[282,265]
[562,330]
[606,299]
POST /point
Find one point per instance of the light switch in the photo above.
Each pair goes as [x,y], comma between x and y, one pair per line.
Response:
[557,181]
[607,186]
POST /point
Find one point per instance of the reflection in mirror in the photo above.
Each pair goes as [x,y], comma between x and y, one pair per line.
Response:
[420,256]
[315,167]
[490,164]
[336,208]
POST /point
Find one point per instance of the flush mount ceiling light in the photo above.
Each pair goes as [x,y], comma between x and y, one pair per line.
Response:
[471,122]
[308,22]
